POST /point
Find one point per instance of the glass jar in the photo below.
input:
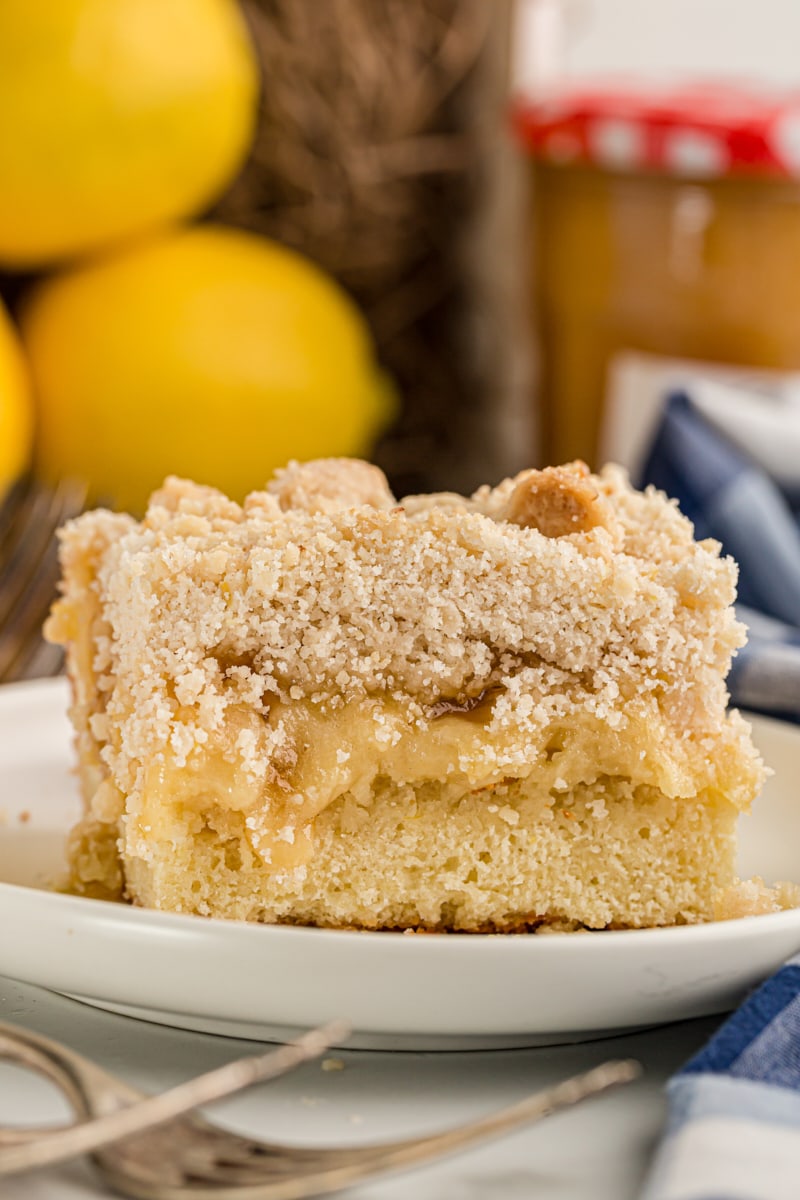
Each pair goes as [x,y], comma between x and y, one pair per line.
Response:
[669,225]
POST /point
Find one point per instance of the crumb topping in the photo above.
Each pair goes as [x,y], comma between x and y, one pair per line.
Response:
[557,592]
[558,501]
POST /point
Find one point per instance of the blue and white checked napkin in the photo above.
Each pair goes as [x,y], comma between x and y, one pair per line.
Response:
[730,497]
[734,1109]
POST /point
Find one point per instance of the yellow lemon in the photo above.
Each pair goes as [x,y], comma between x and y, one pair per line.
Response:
[116,116]
[207,352]
[15,406]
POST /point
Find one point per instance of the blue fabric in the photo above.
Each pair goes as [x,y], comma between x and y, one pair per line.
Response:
[734,1109]
[731,498]
[766,1009]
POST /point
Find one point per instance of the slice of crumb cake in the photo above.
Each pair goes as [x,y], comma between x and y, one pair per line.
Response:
[328,707]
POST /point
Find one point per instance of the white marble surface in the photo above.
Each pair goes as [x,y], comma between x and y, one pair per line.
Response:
[598,1151]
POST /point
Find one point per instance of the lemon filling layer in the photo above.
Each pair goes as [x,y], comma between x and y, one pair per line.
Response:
[343,752]
[499,712]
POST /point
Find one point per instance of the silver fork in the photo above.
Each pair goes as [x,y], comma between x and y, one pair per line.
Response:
[169,1156]
[29,517]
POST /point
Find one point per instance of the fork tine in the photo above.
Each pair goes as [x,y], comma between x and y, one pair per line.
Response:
[26,535]
[29,570]
[69,1141]
[14,504]
[415,1152]
[290,1173]
[20,633]
[541,1104]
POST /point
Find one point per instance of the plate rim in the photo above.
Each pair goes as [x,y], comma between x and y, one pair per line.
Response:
[179,922]
[58,686]
[640,976]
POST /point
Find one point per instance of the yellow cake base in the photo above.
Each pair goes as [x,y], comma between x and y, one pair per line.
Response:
[422,858]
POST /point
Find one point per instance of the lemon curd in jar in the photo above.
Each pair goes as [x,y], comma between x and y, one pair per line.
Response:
[673,229]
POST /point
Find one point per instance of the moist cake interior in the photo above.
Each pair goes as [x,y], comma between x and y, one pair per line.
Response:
[491,713]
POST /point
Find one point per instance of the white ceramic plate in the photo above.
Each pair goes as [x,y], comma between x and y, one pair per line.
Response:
[434,991]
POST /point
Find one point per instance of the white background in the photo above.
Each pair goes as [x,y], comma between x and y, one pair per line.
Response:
[750,39]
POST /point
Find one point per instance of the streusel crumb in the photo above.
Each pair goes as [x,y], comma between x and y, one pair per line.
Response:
[525,686]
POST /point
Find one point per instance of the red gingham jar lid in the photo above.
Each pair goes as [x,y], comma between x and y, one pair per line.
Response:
[694,131]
